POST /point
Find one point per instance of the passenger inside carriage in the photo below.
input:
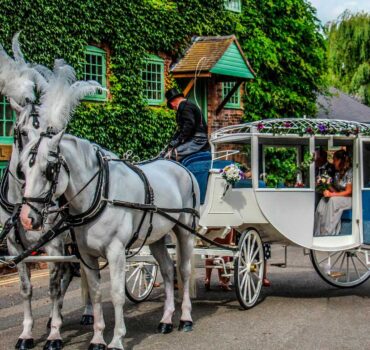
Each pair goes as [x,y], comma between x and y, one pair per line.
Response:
[324,170]
[337,197]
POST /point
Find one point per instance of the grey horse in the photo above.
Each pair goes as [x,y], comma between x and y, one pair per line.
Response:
[18,81]
[110,233]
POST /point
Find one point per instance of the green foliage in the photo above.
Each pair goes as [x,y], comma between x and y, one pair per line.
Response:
[282,168]
[280,38]
[283,43]
[349,54]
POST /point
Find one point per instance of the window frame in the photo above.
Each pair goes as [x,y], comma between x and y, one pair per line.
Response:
[153,59]
[232,8]
[7,140]
[231,105]
[96,51]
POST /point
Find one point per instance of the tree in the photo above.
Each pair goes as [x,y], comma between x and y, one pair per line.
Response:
[349,54]
[285,46]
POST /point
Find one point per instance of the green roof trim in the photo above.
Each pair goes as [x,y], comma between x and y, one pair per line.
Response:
[232,64]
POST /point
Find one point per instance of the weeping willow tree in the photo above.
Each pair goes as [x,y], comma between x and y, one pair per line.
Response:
[349,54]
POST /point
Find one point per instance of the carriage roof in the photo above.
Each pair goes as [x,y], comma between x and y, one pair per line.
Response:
[293,127]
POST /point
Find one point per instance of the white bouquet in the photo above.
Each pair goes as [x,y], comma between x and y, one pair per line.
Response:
[232,174]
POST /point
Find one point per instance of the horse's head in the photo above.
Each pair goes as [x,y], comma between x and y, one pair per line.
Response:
[46,177]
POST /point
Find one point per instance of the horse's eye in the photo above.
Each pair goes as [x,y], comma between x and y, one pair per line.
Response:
[20,173]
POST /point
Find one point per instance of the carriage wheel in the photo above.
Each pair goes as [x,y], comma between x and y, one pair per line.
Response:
[343,269]
[140,279]
[248,269]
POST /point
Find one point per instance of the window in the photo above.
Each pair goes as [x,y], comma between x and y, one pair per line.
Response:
[235,153]
[233,5]
[3,166]
[7,119]
[95,69]
[234,101]
[285,163]
[153,79]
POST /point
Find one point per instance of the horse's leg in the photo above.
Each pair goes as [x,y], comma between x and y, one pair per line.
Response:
[87,317]
[54,340]
[117,263]
[185,248]
[25,340]
[93,281]
[165,262]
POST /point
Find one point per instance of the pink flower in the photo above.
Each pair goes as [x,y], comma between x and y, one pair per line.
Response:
[260,126]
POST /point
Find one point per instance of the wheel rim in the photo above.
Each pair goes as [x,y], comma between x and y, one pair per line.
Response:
[140,278]
[250,268]
[346,268]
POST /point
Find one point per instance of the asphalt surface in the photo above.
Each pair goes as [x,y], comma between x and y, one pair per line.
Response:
[299,311]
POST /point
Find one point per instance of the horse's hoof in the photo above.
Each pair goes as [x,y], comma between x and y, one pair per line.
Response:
[55,344]
[97,346]
[24,344]
[165,328]
[185,326]
[87,320]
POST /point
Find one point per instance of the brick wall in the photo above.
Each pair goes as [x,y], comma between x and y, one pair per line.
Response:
[226,116]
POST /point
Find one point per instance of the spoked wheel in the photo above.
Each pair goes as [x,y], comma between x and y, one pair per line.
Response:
[140,279]
[343,269]
[248,269]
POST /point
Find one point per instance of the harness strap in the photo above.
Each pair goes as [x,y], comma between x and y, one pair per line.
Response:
[13,222]
[4,186]
[46,238]
[98,205]
[149,200]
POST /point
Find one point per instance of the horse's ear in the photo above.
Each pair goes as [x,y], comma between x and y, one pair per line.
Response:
[55,140]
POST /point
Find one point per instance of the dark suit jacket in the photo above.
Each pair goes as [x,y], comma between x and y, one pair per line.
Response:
[189,121]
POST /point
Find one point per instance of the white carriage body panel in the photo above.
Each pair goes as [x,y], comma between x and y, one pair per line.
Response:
[290,212]
[235,208]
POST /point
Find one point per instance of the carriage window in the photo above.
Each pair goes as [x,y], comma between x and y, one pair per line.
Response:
[366,164]
[285,165]
[235,153]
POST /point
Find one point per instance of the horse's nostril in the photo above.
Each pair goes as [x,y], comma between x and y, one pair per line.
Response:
[35,221]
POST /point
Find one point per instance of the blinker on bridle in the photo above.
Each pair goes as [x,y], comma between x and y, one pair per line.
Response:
[51,172]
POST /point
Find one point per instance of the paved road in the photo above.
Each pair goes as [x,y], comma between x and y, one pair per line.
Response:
[299,311]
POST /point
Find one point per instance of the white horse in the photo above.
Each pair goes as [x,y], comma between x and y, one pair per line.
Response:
[19,81]
[110,233]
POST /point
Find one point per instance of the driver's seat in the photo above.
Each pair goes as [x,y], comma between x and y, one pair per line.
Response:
[199,164]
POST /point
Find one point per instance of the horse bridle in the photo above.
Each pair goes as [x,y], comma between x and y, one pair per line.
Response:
[51,174]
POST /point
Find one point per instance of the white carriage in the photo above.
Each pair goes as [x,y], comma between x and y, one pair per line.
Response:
[283,213]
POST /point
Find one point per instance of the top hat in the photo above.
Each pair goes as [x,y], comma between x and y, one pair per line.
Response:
[171,94]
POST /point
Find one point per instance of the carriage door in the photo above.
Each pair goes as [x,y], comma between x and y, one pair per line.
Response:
[288,198]
[365,190]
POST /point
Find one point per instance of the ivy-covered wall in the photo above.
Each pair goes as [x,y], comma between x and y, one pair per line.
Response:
[279,37]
